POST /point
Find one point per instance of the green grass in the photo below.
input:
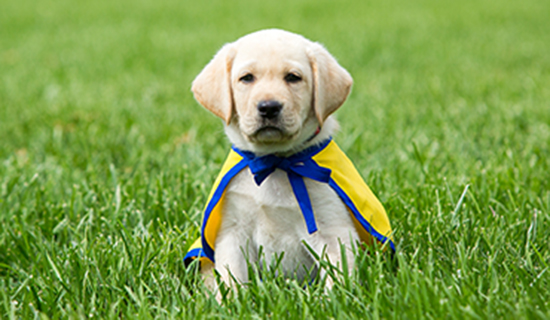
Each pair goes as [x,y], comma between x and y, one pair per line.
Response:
[106,159]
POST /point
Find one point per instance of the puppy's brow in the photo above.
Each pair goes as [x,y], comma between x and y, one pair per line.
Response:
[246,67]
[244,72]
[294,66]
[296,72]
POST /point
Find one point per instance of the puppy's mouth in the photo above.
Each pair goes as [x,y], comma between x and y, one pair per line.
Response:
[269,134]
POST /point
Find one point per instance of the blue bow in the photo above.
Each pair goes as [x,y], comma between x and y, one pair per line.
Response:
[297,166]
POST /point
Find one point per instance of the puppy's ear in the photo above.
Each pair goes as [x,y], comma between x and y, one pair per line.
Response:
[331,82]
[212,87]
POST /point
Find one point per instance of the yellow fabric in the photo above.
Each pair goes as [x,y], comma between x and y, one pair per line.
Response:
[198,245]
[215,219]
[346,176]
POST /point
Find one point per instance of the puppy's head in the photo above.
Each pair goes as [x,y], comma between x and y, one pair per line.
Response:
[273,89]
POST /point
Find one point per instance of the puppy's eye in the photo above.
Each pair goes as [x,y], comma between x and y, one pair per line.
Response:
[292,78]
[247,78]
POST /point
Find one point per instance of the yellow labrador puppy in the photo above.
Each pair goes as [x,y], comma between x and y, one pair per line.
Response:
[285,185]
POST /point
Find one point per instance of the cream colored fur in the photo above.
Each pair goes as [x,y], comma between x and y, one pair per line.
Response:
[268,216]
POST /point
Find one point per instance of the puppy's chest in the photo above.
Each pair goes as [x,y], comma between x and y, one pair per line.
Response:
[270,211]
[273,197]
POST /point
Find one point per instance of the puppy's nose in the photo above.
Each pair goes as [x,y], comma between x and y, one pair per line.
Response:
[269,109]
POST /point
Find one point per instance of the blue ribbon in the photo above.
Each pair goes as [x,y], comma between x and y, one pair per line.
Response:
[297,167]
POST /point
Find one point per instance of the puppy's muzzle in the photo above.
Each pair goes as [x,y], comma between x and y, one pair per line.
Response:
[269,109]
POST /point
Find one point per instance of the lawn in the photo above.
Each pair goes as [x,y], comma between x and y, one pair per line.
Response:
[106,160]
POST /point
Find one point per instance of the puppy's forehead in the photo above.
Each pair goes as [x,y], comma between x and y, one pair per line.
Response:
[271,49]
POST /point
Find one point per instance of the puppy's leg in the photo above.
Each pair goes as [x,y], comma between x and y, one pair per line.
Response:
[208,277]
[332,243]
[334,255]
[231,254]
[230,264]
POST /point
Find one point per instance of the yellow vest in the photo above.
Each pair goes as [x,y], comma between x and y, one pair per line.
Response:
[328,163]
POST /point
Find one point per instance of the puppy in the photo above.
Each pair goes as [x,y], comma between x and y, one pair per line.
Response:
[285,188]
